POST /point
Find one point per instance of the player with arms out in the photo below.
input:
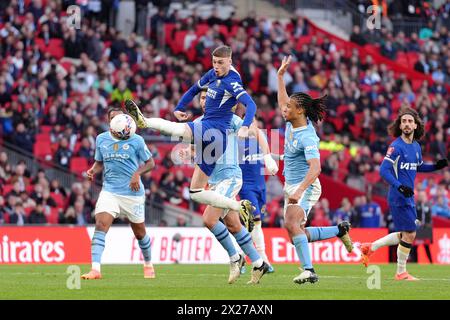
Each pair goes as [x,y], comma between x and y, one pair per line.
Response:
[301,169]
[224,91]
[119,154]
[399,167]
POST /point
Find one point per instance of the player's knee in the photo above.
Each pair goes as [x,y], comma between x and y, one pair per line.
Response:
[101,225]
[208,221]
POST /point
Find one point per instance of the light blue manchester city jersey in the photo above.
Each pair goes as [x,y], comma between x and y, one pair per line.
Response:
[300,145]
[121,159]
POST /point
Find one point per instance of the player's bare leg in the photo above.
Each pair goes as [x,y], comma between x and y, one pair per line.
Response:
[145,245]
[103,222]
[294,224]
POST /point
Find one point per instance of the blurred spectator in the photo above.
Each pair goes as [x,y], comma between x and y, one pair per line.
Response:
[63,154]
[370,215]
[344,213]
[181,221]
[18,216]
[440,208]
[37,216]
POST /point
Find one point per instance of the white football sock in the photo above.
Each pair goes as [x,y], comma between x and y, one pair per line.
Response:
[214,199]
[258,239]
[390,240]
[166,127]
[402,258]
[96,266]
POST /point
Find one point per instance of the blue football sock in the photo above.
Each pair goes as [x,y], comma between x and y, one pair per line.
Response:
[145,246]
[244,240]
[322,233]
[301,247]
[97,246]
[223,236]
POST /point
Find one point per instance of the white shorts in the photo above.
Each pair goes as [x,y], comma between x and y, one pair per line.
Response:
[229,188]
[132,207]
[308,199]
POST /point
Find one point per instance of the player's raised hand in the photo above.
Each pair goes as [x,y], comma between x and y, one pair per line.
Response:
[284,65]
[243,132]
[185,153]
[270,164]
[134,182]
[182,116]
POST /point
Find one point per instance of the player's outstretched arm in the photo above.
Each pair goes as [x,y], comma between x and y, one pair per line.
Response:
[440,164]
[386,172]
[97,167]
[283,97]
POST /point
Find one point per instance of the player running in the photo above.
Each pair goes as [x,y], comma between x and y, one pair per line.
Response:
[301,169]
[122,192]
[403,159]
[224,91]
[226,179]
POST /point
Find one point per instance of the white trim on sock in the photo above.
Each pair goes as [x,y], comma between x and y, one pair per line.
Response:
[96,266]
[166,127]
[391,239]
[235,257]
[402,258]
[258,263]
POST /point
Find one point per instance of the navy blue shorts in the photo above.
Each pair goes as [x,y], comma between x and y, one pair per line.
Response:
[210,144]
[258,200]
[404,218]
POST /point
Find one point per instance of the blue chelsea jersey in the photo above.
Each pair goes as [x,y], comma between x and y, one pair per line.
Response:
[405,158]
[221,97]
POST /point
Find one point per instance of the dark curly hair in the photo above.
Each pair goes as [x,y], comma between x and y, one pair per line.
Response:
[394,128]
[315,109]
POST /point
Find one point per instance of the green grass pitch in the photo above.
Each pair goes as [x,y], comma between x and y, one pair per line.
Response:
[191,282]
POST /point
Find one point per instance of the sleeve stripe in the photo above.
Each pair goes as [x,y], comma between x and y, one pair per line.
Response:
[200,86]
[240,94]
[386,158]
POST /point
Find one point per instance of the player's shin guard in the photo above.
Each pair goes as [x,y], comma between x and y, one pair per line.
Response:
[403,250]
[166,127]
[214,199]
[223,236]
[97,247]
[244,240]
[301,247]
[258,239]
[145,246]
[322,233]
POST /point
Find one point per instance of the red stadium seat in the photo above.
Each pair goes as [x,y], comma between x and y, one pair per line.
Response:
[53,217]
[79,165]
[55,47]
[7,188]
[42,149]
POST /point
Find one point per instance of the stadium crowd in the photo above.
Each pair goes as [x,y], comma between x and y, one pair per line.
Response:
[56,84]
